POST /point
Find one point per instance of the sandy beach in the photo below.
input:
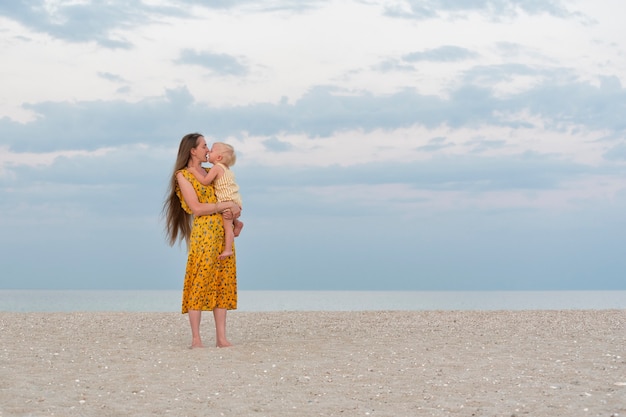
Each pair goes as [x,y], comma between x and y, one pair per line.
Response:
[433,363]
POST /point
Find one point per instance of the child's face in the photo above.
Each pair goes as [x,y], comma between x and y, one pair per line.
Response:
[215,153]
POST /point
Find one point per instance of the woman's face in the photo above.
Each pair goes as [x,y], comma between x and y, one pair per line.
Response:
[201,150]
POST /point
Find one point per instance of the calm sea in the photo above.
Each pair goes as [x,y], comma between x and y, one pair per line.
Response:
[169,300]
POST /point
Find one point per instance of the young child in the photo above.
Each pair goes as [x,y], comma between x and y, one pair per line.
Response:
[222,156]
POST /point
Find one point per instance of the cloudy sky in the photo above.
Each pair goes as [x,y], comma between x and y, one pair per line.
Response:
[382,144]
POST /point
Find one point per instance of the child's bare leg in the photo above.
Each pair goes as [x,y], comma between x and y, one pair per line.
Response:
[238,226]
[229,237]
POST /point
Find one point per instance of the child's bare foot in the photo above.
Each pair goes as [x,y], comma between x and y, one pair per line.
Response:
[237,229]
[225,254]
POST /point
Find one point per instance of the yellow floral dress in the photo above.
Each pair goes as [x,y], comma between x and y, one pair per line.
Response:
[209,282]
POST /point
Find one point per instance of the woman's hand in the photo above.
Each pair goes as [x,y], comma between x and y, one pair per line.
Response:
[232,211]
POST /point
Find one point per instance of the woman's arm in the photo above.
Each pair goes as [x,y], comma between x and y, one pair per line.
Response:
[203,209]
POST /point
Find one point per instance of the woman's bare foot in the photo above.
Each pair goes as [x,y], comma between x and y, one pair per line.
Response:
[196,343]
[223,344]
[237,229]
[225,254]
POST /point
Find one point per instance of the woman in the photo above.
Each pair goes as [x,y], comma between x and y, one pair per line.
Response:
[193,213]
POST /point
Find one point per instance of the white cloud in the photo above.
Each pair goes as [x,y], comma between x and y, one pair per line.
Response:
[9,158]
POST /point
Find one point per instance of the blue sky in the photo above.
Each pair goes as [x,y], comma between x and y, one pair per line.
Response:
[382,145]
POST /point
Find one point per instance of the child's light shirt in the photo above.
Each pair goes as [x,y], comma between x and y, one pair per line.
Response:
[226,188]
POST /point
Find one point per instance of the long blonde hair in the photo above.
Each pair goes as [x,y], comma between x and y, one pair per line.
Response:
[178,221]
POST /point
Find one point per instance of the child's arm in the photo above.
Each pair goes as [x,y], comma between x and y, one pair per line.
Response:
[207,179]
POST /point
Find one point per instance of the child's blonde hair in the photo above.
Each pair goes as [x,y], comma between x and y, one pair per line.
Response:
[227,152]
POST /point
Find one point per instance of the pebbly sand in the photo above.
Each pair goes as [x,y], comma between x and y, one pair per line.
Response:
[435,363]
